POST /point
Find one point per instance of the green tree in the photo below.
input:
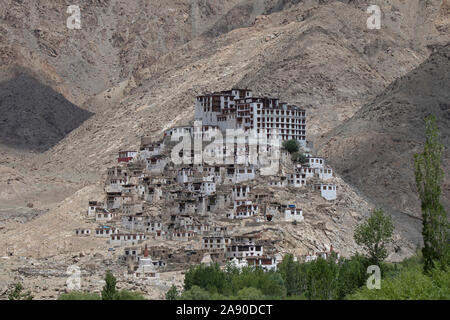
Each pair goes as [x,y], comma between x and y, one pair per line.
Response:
[299,157]
[410,284]
[429,179]
[270,283]
[374,234]
[196,293]
[172,294]
[109,290]
[207,277]
[322,279]
[288,270]
[291,146]
[249,294]
[352,275]
[17,294]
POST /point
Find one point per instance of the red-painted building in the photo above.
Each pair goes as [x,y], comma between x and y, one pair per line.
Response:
[125,156]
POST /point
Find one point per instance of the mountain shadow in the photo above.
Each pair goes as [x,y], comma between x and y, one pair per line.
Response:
[374,150]
[33,116]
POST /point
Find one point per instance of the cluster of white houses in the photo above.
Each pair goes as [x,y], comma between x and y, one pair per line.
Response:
[191,194]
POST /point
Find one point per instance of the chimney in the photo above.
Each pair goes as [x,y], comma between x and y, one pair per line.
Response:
[145,252]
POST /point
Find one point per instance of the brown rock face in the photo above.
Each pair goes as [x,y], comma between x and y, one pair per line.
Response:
[138,67]
[374,149]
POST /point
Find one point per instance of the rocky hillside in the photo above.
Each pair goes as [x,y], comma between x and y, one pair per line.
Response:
[374,149]
[115,36]
[138,67]
[318,55]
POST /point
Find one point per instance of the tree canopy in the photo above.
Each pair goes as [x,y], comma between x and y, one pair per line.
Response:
[374,234]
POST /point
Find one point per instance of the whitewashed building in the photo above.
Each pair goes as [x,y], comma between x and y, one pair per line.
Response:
[264,262]
[93,205]
[278,181]
[180,131]
[82,232]
[296,180]
[156,164]
[327,191]
[325,173]
[240,192]
[141,223]
[128,239]
[246,211]
[103,215]
[237,108]
[316,162]
[105,231]
[242,248]
[185,175]
[215,242]
[182,235]
[291,213]
[114,200]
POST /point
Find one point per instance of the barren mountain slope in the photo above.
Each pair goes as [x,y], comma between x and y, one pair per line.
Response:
[93,63]
[319,56]
[115,38]
[114,35]
[374,149]
[138,68]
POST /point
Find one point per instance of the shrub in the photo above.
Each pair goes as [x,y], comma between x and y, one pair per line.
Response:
[18,295]
[195,293]
[291,146]
[172,294]
[410,284]
[249,294]
[78,295]
[206,277]
[269,283]
[299,157]
[128,295]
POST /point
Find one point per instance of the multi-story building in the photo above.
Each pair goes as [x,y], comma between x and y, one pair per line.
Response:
[238,109]
[243,247]
[215,242]
[125,156]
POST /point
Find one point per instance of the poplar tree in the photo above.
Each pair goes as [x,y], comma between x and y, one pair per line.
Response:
[429,178]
